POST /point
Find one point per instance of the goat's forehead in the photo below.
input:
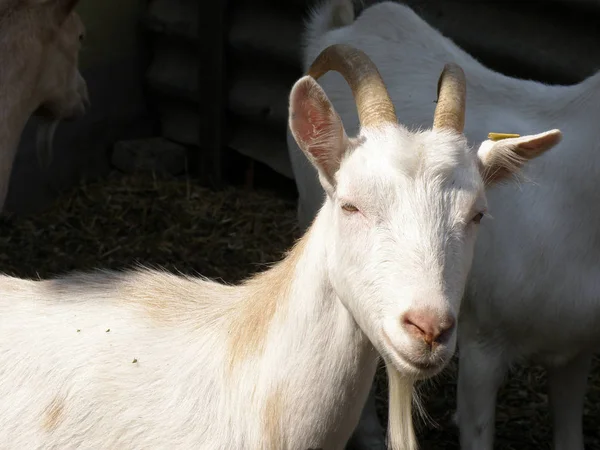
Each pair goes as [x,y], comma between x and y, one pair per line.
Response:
[395,156]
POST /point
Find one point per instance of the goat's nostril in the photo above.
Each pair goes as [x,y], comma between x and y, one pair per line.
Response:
[428,326]
[446,328]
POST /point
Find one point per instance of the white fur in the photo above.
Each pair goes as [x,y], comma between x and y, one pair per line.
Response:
[39,48]
[535,284]
[142,359]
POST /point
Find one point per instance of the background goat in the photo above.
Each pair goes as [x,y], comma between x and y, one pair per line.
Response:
[285,360]
[534,289]
[39,46]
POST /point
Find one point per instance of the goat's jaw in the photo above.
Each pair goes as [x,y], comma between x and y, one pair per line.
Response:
[418,365]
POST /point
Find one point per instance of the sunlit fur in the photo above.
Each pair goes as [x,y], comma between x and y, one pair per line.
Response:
[144,359]
[67,346]
[39,48]
[533,290]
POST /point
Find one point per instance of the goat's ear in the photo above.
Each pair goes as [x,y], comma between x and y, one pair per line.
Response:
[317,128]
[501,159]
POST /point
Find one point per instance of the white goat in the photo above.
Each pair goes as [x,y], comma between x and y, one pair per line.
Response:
[535,285]
[39,49]
[145,359]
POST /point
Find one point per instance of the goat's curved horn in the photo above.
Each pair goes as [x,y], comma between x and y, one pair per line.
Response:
[452,97]
[373,102]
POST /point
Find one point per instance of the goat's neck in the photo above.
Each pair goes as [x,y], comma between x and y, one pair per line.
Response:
[584,97]
[557,103]
[528,107]
[315,345]
[311,299]
[576,112]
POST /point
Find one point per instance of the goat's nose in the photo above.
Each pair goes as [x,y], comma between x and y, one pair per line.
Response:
[426,325]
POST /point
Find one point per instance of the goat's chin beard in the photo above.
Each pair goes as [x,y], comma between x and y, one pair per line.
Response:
[45,137]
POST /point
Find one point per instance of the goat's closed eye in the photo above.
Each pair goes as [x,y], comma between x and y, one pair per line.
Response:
[477,218]
[349,207]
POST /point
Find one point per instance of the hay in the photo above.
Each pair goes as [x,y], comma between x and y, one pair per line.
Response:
[165,222]
[228,235]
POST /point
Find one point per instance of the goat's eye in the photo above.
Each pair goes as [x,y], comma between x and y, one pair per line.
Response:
[478,217]
[81,37]
[348,207]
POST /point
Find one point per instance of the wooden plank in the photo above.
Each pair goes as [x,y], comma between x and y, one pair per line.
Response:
[262,30]
[213,22]
[179,121]
[174,70]
[171,17]
[262,145]
[539,44]
[260,96]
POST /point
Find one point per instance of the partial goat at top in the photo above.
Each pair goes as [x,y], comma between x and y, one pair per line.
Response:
[145,359]
[39,48]
[535,285]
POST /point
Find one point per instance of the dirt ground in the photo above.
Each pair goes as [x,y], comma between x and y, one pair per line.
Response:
[175,224]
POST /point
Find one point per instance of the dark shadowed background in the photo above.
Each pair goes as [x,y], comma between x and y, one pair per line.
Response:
[214,77]
[198,90]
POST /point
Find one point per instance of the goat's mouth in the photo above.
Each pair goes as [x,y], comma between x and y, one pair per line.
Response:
[419,368]
[44,112]
[50,113]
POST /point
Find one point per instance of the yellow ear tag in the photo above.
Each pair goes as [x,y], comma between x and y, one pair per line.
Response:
[500,136]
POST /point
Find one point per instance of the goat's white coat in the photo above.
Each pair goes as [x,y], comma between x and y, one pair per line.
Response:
[67,346]
[178,393]
[39,47]
[534,287]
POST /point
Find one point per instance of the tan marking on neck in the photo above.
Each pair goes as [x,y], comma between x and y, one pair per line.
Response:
[167,299]
[265,294]
[272,413]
